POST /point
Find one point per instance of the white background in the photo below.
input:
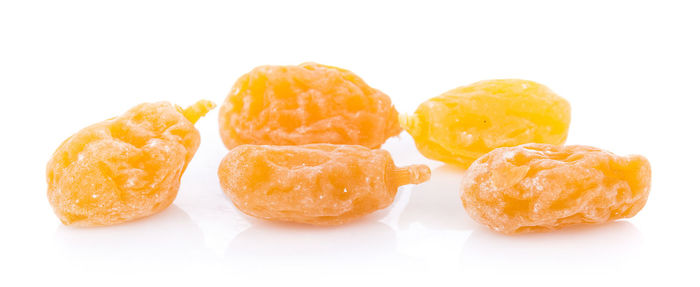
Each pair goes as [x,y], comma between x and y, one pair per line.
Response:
[630,70]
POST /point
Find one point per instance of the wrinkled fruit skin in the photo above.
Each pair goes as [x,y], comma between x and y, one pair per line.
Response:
[540,187]
[321,184]
[123,168]
[461,125]
[309,103]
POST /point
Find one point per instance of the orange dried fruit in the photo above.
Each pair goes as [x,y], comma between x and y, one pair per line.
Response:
[541,187]
[462,124]
[126,167]
[321,184]
[309,103]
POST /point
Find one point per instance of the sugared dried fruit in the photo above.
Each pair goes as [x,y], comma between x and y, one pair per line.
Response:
[320,184]
[539,187]
[309,103]
[126,167]
[460,125]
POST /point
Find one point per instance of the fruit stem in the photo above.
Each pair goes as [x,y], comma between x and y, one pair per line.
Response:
[412,174]
[198,110]
[408,122]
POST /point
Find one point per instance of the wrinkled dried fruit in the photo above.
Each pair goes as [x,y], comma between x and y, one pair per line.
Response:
[539,187]
[309,103]
[320,184]
[123,168]
[460,125]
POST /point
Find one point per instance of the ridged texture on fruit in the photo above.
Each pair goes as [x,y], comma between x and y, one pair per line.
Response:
[123,168]
[539,187]
[309,103]
[320,184]
[460,125]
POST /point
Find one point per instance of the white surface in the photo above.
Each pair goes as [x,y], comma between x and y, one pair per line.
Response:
[629,69]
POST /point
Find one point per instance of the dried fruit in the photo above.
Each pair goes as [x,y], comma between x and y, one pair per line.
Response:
[309,103]
[460,125]
[123,168]
[322,184]
[539,187]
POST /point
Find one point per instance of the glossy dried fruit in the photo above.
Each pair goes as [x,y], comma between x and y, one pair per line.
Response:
[320,184]
[460,125]
[539,187]
[309,103]
[123,168]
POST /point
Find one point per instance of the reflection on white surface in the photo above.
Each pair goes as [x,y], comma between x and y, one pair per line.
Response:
[436,203]
[604,244]
[168,236]
[360,243]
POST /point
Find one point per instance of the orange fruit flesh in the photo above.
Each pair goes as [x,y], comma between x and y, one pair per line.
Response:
[321,184]
[540,187]
[123,168]
[305,104]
